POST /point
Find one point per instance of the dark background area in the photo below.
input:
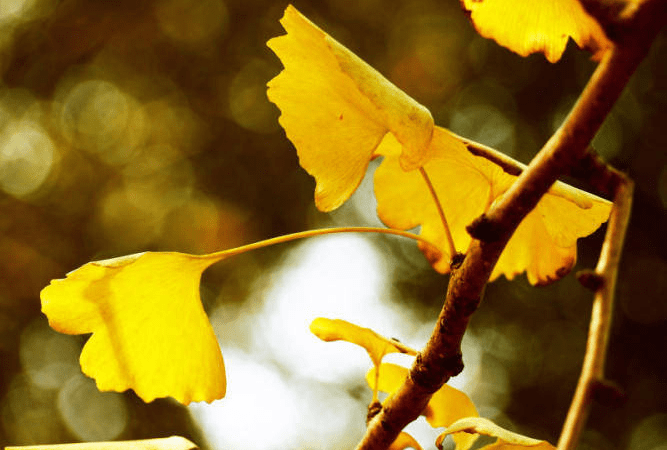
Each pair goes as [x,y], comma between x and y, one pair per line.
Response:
[128,126]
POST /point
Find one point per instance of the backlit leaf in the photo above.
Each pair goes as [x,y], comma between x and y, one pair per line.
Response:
[507,440]
[447,405]
[376,345]
[404,201]
[170,443]
[340,113]
[149,329]
[544,244]
[336,110]
[529,26]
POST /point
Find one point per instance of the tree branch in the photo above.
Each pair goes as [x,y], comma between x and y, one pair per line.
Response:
[441,358]
[592,382]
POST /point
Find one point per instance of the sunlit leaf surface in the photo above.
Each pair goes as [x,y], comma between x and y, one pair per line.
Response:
[529,26]
[170,443]
[336,110]
[507,440]
[340,113]
[446,406]
[544,244]
[150,332]
[341,330]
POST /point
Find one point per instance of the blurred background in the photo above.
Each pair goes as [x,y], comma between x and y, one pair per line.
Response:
[128,126]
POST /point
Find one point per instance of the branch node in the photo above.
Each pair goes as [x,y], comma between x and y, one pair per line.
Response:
[483,229]
[608,393]
[445,367]
[457,260]
[373,409]
[590,279]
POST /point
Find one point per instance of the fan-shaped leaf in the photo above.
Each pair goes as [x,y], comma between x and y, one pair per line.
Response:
[544,244]
[150,332]
[336,110]
[529,26]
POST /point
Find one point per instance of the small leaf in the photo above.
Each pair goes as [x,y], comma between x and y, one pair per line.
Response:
[170,443]
[507,440]
[340,330]
[544,244]
[446,406]
[336,109]
[150,332]
[528,26]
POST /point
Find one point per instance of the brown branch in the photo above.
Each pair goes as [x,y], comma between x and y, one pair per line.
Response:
[592,382]
[441,358]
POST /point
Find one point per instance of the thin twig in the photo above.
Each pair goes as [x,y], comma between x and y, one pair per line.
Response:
[592,379]
[441,358]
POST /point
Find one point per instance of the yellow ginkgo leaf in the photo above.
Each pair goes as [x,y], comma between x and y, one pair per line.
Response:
[340,330]
[544,244]
[149,329]
[336,109]
[507,440]
[529,26]
[340,113]
[447,405]
[405,202]
[170,443]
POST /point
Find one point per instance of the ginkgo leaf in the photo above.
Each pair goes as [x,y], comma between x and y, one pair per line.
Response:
[507,440]
[340,113]
[336,109]
[149,329]
[340,330]
[405,202]
[544,244]
[529,26]
[170,443]
[447,405]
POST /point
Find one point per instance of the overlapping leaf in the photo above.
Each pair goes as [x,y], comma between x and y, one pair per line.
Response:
[355,108]
[150,332]
[506,440]
[529,26]
[446,406]
[339,113]
[544,244]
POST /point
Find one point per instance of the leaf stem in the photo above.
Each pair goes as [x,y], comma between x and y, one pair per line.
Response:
[441,212]
[314,233]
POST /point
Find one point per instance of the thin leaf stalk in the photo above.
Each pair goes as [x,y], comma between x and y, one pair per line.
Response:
[441,212]
[314,233]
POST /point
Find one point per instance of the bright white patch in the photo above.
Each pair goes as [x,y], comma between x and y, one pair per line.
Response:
[314,401]
[259,410]
[338,277]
